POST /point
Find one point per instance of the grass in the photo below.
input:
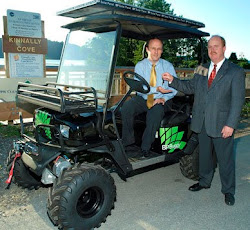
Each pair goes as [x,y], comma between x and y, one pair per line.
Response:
[9,130]
[13,130]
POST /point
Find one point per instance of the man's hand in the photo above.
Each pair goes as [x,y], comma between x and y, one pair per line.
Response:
[167,77]
[159,101]
[162,90]
[227,131]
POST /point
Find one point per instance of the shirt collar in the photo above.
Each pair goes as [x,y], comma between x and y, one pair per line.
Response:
[218,64]
[155,63]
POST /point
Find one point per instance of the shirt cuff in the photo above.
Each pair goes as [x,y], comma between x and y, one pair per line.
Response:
[153,90]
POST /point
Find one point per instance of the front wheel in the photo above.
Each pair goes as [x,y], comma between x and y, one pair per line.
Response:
[189,165]
[81,198]
[22,176]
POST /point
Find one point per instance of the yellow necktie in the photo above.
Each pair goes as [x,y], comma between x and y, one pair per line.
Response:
[152,83]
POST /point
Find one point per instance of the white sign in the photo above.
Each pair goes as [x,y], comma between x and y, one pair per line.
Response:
[8,86]
[24,24]
[26,65]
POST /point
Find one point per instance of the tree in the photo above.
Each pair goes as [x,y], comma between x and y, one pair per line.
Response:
[233,58]
[130,2]
[244,63]
[181,52]
[130,51]
[159,5]
[54,50]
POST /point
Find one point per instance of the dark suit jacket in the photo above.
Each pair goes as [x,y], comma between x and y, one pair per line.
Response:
[218,105]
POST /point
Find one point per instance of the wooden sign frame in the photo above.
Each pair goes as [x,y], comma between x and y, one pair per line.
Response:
[6,56]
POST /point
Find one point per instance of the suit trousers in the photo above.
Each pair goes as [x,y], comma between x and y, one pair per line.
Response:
[225,158]
[136,106]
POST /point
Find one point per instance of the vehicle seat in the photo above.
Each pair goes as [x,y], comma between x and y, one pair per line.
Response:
[171,118]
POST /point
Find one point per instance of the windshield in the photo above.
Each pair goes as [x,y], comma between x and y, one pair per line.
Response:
[86,60]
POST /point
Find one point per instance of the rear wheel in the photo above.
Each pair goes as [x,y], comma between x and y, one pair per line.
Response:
[22,176]
[189,165]
[81,198]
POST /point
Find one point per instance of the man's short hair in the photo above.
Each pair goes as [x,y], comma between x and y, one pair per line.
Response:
[148,41]
[221,38]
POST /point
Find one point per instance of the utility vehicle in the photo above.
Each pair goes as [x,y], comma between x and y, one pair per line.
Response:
[77,128]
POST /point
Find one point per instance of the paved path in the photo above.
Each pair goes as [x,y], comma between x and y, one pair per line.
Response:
[154,200]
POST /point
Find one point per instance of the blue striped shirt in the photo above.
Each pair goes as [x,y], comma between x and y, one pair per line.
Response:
[144,67]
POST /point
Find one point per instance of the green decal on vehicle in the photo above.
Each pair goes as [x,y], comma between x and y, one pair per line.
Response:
[171,139]
[42,118]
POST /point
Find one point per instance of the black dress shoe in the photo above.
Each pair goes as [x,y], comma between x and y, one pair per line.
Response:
[197,187]
[146,153]
[229,199]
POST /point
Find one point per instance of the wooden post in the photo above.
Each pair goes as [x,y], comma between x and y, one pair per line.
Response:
[6,55]
[8,110]
[122,84]
[44,61]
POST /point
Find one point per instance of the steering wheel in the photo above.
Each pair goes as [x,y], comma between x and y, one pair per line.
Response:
[136,82]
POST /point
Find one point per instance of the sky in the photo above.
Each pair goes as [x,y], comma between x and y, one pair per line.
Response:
[228,18]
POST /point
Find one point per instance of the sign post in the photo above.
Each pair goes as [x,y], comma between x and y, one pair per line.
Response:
[24,45]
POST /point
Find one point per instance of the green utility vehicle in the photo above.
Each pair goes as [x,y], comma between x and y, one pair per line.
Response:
[77,130]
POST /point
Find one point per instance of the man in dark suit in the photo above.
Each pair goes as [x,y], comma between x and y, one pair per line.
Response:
[219,93]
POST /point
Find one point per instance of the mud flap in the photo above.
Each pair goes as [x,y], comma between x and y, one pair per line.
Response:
[191,144]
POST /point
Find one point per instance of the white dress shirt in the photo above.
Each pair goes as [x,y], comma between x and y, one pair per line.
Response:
[217,67]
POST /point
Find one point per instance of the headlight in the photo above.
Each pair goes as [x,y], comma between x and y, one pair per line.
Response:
[64,129]
[31,148]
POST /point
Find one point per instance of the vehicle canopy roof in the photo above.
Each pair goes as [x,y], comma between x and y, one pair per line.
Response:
[136,22]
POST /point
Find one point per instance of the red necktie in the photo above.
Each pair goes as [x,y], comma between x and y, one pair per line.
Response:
[212,76]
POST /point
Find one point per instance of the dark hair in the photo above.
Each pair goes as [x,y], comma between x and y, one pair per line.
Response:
[221,38]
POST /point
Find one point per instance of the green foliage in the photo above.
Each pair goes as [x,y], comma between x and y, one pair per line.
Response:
[9,130]
[233,58]
[138,53]
[180,52]
[245,112]
[189,64]
[99,49]
[244,63]
[159,5]
[129,52]
[130,2]
[13,130]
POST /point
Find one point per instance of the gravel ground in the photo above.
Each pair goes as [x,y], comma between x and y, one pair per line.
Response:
[17,202]
[5,147]
[12,200]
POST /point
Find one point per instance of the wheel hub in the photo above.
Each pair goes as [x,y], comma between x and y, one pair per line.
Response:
[90,202]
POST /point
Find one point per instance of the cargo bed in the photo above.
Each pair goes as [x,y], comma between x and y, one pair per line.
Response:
[59,97]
